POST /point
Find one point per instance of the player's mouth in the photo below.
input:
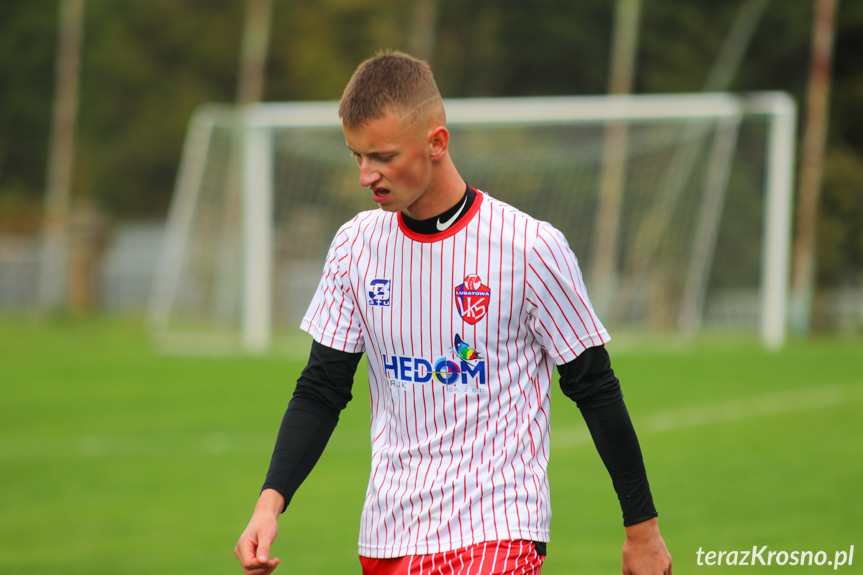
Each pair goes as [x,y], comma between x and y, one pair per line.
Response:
[380,194]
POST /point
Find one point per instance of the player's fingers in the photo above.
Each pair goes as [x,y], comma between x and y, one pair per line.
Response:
[245,550]
[253,562]
[252,566]
[261,570]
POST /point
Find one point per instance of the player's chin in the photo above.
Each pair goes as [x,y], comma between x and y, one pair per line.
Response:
[388,205]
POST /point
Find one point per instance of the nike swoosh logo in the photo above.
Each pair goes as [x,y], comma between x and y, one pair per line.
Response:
[442,226]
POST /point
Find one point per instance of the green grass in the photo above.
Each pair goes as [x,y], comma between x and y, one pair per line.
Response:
[116,459]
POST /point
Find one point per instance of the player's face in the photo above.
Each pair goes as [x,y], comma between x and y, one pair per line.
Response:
[395,164]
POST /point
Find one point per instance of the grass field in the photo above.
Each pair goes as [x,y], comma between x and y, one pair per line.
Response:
[116,459]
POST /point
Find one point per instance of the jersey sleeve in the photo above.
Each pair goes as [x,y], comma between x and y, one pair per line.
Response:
[561,316]
[332,318]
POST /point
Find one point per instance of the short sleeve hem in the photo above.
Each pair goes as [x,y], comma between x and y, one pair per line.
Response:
[564,356]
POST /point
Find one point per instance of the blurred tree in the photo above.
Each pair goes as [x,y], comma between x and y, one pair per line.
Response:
[147,65]
[255,46]
[423,31]
[54,260]
[27,53]
[813,142]
[521,48]
[317,45]
[840,234]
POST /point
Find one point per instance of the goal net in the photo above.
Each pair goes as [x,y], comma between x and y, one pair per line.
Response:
[677,207]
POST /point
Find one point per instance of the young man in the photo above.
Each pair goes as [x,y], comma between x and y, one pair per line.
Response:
[463,305]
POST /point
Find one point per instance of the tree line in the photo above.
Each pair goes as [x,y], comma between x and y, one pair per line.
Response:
[147,64]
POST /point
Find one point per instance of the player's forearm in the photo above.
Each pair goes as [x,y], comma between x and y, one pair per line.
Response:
[323,390]
[617,444]
[589,380]
[305,431]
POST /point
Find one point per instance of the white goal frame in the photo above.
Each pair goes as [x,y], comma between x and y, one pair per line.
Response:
[256,168]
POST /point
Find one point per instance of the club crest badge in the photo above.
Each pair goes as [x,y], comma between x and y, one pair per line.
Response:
[472,299]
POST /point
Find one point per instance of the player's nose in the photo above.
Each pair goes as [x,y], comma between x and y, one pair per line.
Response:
[368,175]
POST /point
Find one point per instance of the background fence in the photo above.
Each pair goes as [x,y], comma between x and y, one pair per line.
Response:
[124,280]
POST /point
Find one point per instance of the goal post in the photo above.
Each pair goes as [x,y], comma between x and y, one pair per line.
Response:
[701,225]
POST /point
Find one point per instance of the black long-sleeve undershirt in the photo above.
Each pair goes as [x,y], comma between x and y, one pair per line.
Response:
[324,390]
[589,380]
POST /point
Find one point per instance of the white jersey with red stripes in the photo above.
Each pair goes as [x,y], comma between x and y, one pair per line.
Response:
[461,330]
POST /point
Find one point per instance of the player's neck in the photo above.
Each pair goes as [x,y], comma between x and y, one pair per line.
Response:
[444,190]
[446,219]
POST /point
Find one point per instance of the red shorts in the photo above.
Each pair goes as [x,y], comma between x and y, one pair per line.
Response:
[487,558]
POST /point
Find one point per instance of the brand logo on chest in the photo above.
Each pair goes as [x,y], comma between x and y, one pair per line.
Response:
[462,370]
[379,292]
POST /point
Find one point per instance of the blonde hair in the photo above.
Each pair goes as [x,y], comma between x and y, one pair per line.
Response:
[390,81]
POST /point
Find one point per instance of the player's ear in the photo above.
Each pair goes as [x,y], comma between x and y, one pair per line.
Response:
[438,142]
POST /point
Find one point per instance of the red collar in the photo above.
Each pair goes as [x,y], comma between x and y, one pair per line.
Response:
[449,232]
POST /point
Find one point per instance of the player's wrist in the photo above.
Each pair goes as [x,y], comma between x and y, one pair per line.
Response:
[270,502]
[644,530]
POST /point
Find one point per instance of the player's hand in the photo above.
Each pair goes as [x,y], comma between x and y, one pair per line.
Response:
[253,548]
[644,551]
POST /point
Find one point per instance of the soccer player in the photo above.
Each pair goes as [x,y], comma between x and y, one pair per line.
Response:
[463,306]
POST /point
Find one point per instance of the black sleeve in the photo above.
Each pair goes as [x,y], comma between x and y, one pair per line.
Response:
[323,391]
[589,380]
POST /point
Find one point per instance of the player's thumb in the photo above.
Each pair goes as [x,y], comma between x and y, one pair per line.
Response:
[262,554]
[266,536]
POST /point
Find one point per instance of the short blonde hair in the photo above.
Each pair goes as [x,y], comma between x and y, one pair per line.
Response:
[389,81]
